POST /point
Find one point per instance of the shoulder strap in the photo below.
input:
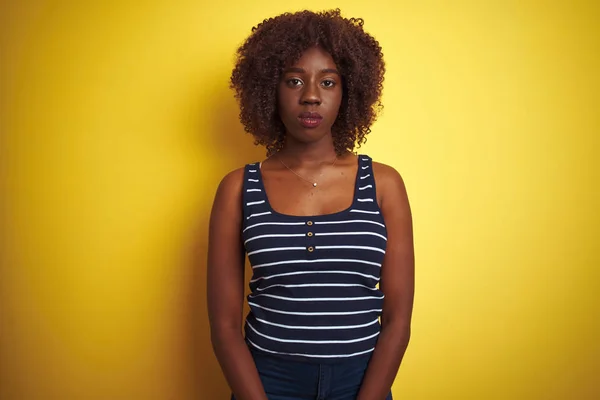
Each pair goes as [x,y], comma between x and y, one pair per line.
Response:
[253,195]
[365,196]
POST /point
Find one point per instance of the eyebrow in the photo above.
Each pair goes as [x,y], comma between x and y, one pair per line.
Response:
[302,71]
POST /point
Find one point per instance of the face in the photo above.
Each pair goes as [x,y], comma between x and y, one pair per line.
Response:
[309,96]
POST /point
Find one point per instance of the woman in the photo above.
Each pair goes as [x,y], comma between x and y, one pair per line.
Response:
[328,233]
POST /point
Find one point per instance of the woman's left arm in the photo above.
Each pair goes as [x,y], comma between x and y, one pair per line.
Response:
[397,284]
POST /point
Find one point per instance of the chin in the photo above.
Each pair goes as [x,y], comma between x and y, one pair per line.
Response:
[309,135]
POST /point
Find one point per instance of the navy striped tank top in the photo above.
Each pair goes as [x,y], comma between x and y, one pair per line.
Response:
[314,292]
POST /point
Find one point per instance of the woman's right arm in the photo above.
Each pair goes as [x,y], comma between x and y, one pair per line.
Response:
[225,290]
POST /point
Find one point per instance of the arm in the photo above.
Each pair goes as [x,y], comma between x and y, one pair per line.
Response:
[225,290]
[397,284]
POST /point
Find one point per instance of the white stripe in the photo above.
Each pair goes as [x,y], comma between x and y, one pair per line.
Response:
[252,180]
[278,223]
[364,167]
[253,203]
[251,170]
[351,233]
[365,187]
[312,355]
[364,159]
[276,235]
[365,200]
[312,341]
[253,190]
[365,212]
[315,313]
[275,249]
[349,222]
[316,261]
[314,272]
[326,327]
[259,214]
[317,285]
[316,298]
[362,177]
[351,247]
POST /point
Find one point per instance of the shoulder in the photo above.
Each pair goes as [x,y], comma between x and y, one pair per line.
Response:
[386,173]
[231,185]
[390,184]
[226,204]
[233,180]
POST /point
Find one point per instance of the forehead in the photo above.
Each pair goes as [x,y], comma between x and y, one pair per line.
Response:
[315,57]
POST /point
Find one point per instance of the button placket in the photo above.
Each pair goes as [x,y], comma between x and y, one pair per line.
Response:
[310,245]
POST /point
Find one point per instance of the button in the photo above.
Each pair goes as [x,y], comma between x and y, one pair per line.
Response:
[310,249]
[309,234]
[309,223]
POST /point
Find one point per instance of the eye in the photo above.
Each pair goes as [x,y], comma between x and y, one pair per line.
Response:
[328,83]
[294,82]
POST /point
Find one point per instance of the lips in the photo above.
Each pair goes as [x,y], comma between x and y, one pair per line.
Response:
[310,119]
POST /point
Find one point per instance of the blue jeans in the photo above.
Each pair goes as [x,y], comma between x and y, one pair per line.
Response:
[285,379]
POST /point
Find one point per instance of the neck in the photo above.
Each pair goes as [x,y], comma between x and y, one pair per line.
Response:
[308,153]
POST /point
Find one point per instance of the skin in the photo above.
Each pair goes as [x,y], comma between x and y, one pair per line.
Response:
[311,84]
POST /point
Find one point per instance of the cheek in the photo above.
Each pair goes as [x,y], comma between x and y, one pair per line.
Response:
[286,105]
[281,105]
[281,98]
[337,102]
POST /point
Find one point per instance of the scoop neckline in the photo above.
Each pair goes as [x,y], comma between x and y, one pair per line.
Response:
[315,216]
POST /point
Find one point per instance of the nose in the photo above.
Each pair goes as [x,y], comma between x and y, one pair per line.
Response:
[311,95]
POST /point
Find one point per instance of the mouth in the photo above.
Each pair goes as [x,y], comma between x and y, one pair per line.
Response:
[310,119]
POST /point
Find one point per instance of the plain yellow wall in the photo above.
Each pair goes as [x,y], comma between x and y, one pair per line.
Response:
[117,124]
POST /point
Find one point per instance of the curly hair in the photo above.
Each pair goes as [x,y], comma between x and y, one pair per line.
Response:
[277,42]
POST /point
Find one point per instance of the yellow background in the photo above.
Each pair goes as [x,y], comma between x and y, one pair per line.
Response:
[117,124]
